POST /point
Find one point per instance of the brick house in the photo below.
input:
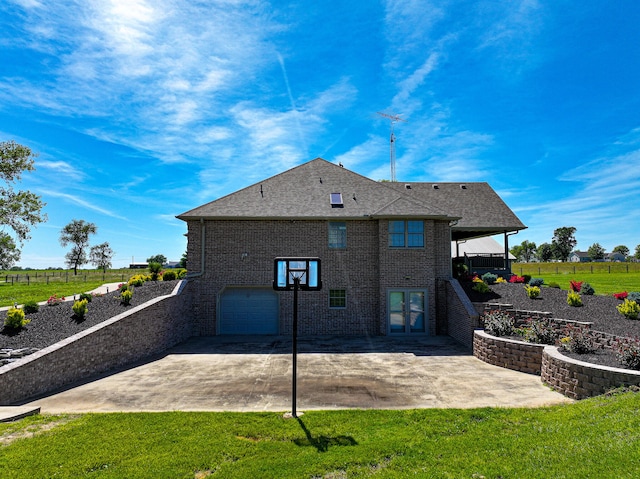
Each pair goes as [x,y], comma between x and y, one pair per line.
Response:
[385,250]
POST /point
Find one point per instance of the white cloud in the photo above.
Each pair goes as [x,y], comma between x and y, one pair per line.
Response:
[61,169]
[85,204]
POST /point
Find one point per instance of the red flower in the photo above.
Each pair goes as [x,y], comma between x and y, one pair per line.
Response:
[516,279]
[622,295]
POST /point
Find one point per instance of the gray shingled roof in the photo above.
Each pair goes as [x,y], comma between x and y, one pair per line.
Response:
[481,211]
[304,192]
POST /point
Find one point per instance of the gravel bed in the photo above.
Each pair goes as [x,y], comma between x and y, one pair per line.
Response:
[596,309]
[55,323]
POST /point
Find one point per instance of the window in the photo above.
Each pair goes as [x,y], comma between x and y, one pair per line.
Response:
[337,235]
[336,200]
[406,234]
[337,298]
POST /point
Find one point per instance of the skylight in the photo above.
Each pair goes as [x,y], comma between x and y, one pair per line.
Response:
[336,200]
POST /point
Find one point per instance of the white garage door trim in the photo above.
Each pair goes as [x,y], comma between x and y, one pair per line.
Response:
[248,310]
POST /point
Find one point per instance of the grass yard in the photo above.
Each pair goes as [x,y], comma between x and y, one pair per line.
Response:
[595,438]
[596,274]
[19,287]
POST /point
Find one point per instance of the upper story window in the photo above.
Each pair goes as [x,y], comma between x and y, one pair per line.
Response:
[336,200]
[337,234]
[406,234]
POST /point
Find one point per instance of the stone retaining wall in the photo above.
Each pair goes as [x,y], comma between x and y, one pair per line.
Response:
[508,353]
[142,332]
[571,377]
[578,379]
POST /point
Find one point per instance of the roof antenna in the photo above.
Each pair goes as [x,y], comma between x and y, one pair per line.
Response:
[392,142]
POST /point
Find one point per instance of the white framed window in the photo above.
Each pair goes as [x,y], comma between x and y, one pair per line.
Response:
[337,298]
[337,235]
[406,234]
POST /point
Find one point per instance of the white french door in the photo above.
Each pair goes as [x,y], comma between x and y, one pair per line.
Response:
[407,311]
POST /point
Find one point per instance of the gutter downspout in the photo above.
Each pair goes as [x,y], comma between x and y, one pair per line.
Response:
[202,262]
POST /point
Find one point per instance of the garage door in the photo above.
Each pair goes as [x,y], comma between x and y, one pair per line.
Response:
[249,311]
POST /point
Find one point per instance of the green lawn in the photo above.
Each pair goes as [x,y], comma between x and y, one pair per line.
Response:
[595,438]
[21,286]
[596,274]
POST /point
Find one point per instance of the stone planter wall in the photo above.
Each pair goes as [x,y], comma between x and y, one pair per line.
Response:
[571,377]
[508,353]
[143,331]
[579,380]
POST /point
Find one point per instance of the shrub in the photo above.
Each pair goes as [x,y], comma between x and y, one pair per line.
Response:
[588,289]
[532,291]
[86,296]
[138,279]
[123,287]
[629,309]
[628,352]
[54,300]
[125,297]
[536,282]
[31,307]
[526,277]
[154,269]
[634,296]
[476,279]
[15,319]
[182,273]
[575,286]
[574,299]
[481,287]
[500,280]
[80,308]
[620,296]
[169,275]
[460,270]
[498,323]
[516,279]
[540,331]
[553,284]
[578,339]
[489,278]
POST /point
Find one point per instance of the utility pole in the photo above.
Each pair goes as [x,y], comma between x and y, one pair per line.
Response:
[393,119]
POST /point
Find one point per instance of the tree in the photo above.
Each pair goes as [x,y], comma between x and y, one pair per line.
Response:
[637,252]
[563,242]
[525,251]
[101,255]
[595,252]
[183,260]
[545,252]
[159,258]
[622,249]
[9,253]
[77,233]
[19,210]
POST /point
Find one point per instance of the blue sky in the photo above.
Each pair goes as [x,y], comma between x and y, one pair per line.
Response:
[141,110]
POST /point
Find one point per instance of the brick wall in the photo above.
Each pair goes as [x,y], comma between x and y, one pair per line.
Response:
[508,353]
[241,253]
[579,380]
[143,331]
[462,317]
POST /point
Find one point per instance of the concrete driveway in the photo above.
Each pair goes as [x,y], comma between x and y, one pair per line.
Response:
[254,374]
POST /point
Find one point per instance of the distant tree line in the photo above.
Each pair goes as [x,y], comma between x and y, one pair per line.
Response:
[561,246]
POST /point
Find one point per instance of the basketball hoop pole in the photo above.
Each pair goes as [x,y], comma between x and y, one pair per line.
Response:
[294,347]
[295,274]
